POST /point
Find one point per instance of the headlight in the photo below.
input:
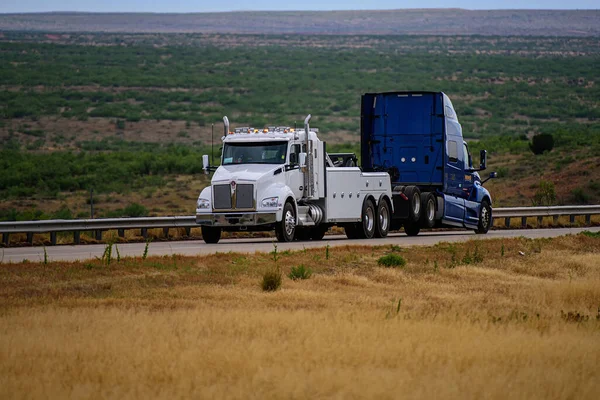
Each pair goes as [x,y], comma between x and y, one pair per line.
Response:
[203,203]
[270,202]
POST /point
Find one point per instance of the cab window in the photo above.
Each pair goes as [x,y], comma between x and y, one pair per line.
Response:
[452,151]
[467,156]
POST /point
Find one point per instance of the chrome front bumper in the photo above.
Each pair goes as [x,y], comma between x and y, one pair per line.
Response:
[236,219]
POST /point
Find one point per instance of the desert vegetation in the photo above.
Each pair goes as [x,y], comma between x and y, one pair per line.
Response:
[511,317]
[129,115]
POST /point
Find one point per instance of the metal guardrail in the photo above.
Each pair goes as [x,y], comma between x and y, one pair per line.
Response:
[541,212]
[98,225]
[189,222]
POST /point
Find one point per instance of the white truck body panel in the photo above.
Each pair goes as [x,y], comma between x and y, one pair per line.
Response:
[347,188]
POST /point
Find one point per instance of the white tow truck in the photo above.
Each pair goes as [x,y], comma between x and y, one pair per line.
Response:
[283,179]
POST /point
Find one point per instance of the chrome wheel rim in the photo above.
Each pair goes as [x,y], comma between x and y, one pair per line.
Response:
[369,219]
[416,205]
[485,217]
[384,218]
[290,223]
[430,211]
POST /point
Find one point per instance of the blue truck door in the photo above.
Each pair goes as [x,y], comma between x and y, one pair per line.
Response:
[454,177]
[469,188]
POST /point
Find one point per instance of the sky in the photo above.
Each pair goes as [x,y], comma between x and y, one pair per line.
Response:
[185,6]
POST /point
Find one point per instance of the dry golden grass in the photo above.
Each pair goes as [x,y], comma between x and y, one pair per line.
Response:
[484,323]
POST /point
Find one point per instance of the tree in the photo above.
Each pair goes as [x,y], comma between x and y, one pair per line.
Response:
[541,143]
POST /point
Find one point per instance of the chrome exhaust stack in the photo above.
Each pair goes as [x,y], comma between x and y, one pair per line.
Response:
[226,126]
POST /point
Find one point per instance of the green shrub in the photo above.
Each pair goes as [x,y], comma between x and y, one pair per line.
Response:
[391,260]
[545,194]
[63,213]
[541,143]
[580,196]
[135,210]
[300,272]
[271,280]
[591,234]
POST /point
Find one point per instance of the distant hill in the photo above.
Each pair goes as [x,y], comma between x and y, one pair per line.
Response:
[382,22]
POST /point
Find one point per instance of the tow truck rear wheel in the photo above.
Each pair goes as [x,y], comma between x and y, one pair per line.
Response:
[211,234]
[286,228]
[428,211]
[366,229]
[412,228]
[485,218]
[414,206]
[383,219]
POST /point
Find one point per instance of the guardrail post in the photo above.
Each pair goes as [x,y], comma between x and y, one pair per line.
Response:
[572,219]
[121,233]
[588,219]
[144,232]
[540,220]
[507,222]
[98,235]
[76,237]
[6,238]
[30,237]
[53,238]
[188,231]
[555,220]
[524,222]
[166,232]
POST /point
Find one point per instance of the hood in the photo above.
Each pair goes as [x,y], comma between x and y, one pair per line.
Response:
[243,172]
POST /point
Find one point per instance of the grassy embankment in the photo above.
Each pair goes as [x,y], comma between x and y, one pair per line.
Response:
[465,320]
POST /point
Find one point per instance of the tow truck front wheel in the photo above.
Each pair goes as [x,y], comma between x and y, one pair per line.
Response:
[485,218]
[211,234]
[286,228]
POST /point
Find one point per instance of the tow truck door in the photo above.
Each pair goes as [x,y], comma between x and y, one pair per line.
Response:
[294,177]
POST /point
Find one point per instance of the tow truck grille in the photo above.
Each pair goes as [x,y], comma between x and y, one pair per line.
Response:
[224,200]
[244,196]
[222,197]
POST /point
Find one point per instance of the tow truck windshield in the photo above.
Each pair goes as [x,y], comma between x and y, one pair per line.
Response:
[254,153]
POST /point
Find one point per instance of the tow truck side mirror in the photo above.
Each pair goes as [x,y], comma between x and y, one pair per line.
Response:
[302,160]
[482,158]
[205,163]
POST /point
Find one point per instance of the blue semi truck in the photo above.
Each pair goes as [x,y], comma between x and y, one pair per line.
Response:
[416,138]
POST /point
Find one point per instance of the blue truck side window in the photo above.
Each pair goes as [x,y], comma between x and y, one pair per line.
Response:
[467,157]
[452,151]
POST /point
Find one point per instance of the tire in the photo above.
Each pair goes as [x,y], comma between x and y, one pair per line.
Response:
[302,234]
[414,203]
[412,228]
[317,232]
[351,231]
[366,228]
[211,234]
[428,211]
[286,228]
[383,219]
[485,218]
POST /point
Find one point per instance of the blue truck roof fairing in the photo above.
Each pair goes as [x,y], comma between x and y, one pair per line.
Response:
[405,133]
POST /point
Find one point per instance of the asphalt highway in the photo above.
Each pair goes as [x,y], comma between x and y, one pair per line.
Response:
[198,247]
